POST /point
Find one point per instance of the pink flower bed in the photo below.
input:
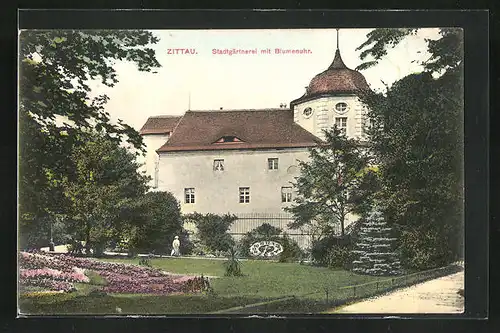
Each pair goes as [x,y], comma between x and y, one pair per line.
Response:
[49,284]
[58,272]
[54,274]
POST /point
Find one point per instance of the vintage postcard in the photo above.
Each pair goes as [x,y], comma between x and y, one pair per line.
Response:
[258,171]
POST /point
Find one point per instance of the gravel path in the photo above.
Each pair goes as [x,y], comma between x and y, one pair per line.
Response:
[435,296]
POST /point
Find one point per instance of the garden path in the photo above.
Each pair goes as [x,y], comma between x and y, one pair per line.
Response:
[434,296]
[64,249]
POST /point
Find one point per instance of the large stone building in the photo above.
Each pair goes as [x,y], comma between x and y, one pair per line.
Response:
[244,161]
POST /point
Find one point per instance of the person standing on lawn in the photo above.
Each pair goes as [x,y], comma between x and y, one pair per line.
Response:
[176,244]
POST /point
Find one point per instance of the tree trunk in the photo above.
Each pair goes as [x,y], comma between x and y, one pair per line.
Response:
[87,239]
[342,221]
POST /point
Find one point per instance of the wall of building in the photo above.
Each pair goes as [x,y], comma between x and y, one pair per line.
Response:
[218,191]
[324,115]
[152,142]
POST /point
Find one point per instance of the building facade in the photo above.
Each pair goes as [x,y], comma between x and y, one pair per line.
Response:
[331,98]
[247,181]
[244,161]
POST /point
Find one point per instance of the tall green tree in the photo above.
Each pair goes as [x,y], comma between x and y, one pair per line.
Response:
[54,70]
[332,184]
[103,193]
[417,139]
[446,52]
[212,231]
[161,221]
[42,161]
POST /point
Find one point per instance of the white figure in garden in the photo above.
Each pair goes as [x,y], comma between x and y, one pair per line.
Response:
[176,244]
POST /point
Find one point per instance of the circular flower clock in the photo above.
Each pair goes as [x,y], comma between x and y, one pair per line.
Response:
[265,249]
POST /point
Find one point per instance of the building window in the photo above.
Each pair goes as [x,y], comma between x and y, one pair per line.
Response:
[244,194]
[341,124]
[189,195]
[307,112]
[341,107]
[272,163]
[286,194]
[218,165]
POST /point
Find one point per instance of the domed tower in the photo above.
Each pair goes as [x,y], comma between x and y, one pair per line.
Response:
[331,98]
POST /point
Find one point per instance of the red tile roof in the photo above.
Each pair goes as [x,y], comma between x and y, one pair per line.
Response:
[257,129]
[337,79]
[160,125]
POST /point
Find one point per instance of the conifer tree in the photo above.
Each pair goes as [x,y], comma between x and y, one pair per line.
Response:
[417,138]
[374,248]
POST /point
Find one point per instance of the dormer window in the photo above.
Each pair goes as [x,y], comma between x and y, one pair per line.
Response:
[228,139]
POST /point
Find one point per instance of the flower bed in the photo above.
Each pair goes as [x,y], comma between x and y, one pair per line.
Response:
[76,276]
[60,272]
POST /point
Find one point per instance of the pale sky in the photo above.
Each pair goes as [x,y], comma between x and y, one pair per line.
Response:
[245,81]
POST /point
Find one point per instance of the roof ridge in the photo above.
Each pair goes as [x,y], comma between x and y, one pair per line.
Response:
[166,116]
[239,110]
[173,130]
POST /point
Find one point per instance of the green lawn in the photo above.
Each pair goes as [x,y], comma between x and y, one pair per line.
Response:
[180,265]
[137,304]
[262,278]
[263,281]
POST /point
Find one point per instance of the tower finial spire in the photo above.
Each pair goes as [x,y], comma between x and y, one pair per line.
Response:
[337,60]
[337,38]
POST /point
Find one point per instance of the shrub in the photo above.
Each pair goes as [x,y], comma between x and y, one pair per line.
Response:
[232,265]
[187,246]
[333,252]
[197,284]
[291,250]
[262,232]
[421,249]
[339,257]
[145,262]
[98,250]
[75,248]
[266,232]
[212,231]
[161,222]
